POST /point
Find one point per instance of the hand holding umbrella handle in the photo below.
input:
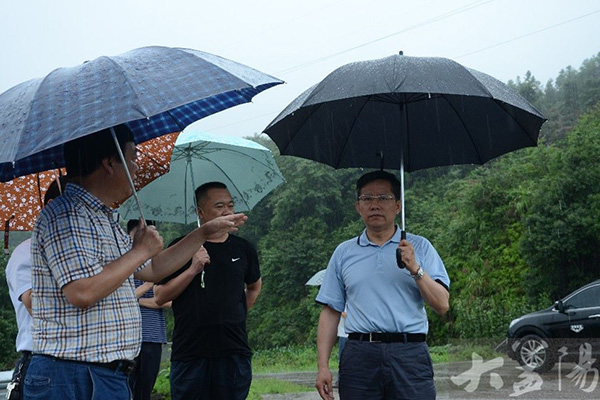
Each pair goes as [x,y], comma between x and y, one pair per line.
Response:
[399,251]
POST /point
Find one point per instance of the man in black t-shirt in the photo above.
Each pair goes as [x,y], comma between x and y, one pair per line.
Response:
[211,294]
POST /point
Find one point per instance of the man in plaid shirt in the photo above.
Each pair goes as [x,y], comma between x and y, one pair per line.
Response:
[86,319]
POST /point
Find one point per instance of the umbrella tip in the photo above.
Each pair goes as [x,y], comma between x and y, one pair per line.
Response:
[401,52]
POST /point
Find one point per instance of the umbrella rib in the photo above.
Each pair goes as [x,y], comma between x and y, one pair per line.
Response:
[133,89]
[26,122]
[497,102]
[317,107]
[199,150]
[501,105]
[344,147]
[462,122]
[200,154]
[236,152]
[231,181]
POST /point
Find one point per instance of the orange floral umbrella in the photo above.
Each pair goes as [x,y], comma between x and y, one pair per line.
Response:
[22,198]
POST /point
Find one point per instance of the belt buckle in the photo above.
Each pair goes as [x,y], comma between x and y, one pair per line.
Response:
[371,338]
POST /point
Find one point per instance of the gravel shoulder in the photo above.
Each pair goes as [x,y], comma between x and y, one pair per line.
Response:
[465,380]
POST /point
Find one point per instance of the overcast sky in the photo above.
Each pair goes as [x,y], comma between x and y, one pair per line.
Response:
[300,41]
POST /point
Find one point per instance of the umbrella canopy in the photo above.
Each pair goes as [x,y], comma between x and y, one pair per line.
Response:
[247,168]
[414,112]
[155,90]
[405,113]
[316,279]
[21,199]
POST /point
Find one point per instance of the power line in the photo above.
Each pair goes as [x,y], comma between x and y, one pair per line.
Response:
[527,34]
[448,14]
[424,23]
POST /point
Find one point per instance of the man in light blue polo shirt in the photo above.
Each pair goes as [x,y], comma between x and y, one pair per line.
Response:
[386,356]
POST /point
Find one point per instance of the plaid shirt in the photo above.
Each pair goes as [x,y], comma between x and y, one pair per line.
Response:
[75,237]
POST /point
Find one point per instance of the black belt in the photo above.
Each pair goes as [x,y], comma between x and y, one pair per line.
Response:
[388,337]
[125,366]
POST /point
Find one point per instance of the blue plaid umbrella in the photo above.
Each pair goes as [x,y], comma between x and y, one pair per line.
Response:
[154,90]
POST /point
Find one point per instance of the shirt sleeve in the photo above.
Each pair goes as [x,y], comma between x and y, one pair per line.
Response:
[253,270]
[74,248]
[332,291]
[22,272]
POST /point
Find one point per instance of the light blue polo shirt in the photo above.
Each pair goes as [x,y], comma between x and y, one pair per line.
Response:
[380,297]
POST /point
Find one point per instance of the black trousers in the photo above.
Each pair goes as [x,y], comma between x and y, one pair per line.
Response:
[385,371]
[144,375]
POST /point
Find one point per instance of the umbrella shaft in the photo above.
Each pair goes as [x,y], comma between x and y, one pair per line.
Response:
[402,188]
[122,158]
[191,169]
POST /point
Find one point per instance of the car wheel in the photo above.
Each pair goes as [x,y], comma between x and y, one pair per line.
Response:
[535,354]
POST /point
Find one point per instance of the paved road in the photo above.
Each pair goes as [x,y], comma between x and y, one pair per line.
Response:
[468,381]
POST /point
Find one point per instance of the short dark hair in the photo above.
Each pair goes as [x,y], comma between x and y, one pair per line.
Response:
[55,189]
[376,175]
[203,189]
[133,223]
[85,154]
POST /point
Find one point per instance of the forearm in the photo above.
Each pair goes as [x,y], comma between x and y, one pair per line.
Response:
[86,292]
[173,288]
[434,294]
[252,292]
[26,300]
[140,290]
[173,258]
[326,335]
[149,302]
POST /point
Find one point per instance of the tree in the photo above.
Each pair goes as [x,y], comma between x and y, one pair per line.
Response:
[529,88]
[563,229]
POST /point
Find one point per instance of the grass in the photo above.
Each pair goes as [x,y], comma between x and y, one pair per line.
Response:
[289,359]
[262,386]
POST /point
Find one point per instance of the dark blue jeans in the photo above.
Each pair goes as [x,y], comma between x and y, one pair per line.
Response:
[51,378]
[377,371]
[221,378]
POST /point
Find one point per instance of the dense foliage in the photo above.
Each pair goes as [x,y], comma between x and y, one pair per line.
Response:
[514,234]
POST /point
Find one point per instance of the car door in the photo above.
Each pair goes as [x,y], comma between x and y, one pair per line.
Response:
[580,322]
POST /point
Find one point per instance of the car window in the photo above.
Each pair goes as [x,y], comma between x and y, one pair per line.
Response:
[589,297]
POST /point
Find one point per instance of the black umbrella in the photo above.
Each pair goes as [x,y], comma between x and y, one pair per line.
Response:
[406,113]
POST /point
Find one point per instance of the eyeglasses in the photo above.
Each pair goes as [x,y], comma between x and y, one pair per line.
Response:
[382,198]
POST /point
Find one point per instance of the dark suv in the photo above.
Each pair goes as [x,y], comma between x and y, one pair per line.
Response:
[540,339]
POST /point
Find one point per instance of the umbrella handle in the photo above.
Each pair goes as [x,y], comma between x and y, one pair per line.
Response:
[399,252]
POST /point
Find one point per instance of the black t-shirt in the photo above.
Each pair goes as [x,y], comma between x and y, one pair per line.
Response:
[210,321]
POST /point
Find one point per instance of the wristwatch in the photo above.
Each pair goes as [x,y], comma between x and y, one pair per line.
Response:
[419,275]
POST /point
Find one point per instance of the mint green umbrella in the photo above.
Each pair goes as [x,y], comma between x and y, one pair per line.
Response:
[246,167]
